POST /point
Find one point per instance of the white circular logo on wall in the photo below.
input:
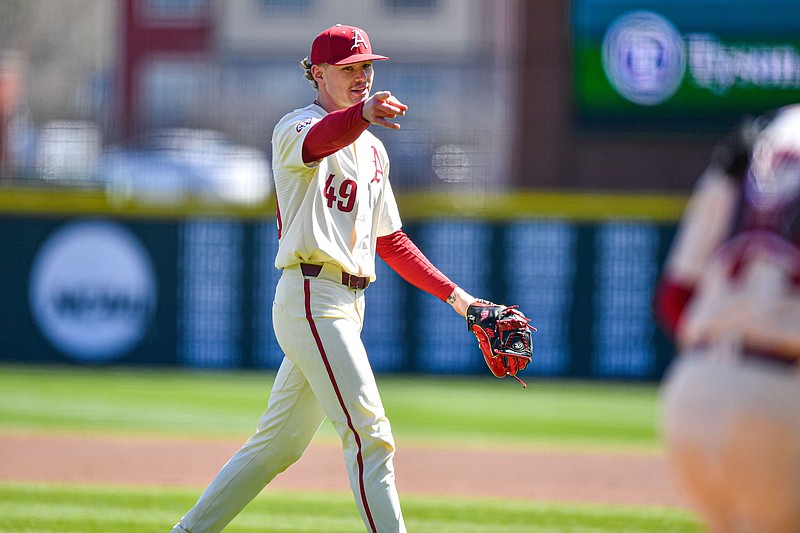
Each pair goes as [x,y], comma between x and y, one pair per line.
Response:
[644,57]
[93,290]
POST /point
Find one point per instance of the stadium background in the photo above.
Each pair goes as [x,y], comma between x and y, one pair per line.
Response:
[136,214]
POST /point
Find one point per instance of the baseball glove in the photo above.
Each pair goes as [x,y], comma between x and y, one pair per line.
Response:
[504,337]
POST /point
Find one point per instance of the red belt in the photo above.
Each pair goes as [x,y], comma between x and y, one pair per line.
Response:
[775,358]
[768,356]
[348,280]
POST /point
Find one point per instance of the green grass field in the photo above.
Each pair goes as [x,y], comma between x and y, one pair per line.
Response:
[472,412]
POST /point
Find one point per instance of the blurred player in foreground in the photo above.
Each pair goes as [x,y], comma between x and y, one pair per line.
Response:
[730,297]
[336,210]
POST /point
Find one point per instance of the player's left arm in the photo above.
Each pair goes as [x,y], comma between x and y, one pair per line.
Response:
[404,257]
[503,332]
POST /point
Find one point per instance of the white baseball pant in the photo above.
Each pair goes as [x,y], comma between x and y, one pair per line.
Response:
[325,372]
[732,430]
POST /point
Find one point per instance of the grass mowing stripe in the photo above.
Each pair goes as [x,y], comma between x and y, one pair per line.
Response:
[132,400]
[90,509]
[228,404]
[225,404]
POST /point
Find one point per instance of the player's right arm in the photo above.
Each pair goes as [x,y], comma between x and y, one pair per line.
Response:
[333,132]
[342,127]
[381,107]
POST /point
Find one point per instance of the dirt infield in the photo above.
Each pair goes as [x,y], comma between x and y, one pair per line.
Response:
[605,478]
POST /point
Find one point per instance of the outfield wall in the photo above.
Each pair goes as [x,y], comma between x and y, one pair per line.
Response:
[88,282]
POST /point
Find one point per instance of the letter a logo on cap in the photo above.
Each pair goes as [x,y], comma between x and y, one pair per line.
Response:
[358,38]
[342,45]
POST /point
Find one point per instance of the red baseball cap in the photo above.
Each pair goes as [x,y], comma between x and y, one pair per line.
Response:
[342,45]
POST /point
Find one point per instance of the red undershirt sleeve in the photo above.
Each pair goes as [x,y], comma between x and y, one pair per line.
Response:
[335,131]
[669,301]
[403,256]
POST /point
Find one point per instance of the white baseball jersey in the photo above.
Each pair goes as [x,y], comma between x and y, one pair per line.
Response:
[331,210]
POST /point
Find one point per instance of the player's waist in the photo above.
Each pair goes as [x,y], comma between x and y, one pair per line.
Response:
[777,356]
[332,272]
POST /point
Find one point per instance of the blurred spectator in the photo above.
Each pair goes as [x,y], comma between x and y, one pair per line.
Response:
[730,297]
[12,85]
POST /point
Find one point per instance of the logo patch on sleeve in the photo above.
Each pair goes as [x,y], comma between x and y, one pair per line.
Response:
[300,126]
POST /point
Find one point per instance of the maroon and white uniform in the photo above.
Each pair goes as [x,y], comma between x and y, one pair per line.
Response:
[336,211]
[730,296]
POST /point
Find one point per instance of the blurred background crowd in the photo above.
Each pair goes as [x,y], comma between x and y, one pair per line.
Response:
[582,93]
[160,98]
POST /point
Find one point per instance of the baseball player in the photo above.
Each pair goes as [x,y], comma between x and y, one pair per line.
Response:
[730,297]
[335,211]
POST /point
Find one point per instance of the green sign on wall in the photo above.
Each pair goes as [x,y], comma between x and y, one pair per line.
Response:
[696,64]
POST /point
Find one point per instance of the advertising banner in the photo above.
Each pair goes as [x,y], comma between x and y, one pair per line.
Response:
[683,63]
[198,293]
[88,290]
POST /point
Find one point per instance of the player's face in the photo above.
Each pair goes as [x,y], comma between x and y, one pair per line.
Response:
[341,86]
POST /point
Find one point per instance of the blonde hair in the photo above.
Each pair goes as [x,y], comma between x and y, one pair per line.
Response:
[305,64]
